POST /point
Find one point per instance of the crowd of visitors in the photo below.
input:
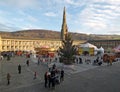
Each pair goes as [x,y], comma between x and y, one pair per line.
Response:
[97,61]
[53,77]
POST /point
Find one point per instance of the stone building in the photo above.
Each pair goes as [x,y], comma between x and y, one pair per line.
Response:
[9,44]
[14,44]
[106,44]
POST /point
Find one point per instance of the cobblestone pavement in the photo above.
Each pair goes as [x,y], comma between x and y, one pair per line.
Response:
[83,78]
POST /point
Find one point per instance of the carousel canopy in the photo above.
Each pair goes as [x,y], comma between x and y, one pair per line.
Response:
[117,49]
[88,45]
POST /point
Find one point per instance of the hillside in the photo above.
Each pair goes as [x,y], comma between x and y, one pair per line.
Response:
[49,34]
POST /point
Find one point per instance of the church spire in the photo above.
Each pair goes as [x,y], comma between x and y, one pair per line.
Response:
[64,30]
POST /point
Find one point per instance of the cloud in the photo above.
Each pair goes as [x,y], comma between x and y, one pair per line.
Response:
[6,28]
[96,24]
[96,15]
[114,28]
[117,2]
[51,14]
[21,12]
[30,26]
[20,3]
[72,2]
[107,1]
[109,10]
[3,19]
[32,19]
[26,16]
[99,16]
[1,12]
[18,20]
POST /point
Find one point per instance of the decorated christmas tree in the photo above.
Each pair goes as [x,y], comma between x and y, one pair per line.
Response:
[68,50]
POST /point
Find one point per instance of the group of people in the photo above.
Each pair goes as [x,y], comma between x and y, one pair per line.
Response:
[98,61]
[78,60]
[53,77]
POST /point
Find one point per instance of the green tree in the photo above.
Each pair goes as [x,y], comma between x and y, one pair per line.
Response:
[68,50]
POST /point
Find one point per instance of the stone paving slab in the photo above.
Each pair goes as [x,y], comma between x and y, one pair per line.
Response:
[18,80]
[84,67]
[26,78]
[76,68]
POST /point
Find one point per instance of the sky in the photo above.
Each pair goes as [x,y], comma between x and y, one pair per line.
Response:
[83,16]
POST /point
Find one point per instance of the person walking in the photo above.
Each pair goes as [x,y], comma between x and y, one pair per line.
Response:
[27,62]
[80,61]
[53,81]
[49,79]
[62,75]
[8,57]
[8,78]
[46,78]
[54,66]
[19,69]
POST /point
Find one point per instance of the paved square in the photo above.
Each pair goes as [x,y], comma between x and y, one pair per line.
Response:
[82,78]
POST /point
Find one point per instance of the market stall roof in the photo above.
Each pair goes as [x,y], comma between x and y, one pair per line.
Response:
[117,49]
[88,45]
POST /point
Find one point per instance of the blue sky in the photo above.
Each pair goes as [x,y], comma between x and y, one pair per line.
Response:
[83,16]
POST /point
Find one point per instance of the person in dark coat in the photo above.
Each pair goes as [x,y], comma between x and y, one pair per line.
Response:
[8,57]
[100,63]
[46,79]
[54,66]
[19,69]
[62,75]
[8,78]
[49,80]
[53,81]
[80,61]
[27,62]
[53,72]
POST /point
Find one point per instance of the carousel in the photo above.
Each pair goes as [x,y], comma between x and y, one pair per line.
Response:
[115,56]
[45,51]
[117,51]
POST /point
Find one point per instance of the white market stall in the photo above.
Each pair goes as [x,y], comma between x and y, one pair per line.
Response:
[87,48]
